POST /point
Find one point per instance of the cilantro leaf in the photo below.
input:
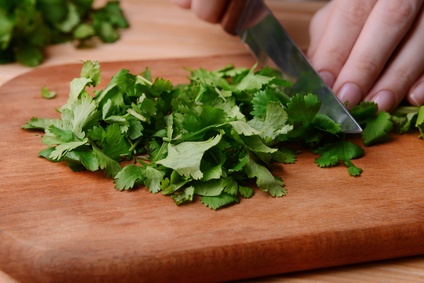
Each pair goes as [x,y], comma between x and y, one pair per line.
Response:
[41,123]
[91,70]
[303,108]
[243,128]
[61,149]
[81,113]
[420,121]
[274,124]
[215,202]
[377,130]
[108,20]
[327,124]
[209,188]
[252,81]
[46,93]
[86,157]
[113,143]
[128,177]
[404,118]
[28,27]
[284,155]
[111,166]
[230,185]
[264,179]
[377,125]
[332,153]
[189,167]
[364,111]
[246,192]
[185,196]
[173,183]
[153,179]
[211,170]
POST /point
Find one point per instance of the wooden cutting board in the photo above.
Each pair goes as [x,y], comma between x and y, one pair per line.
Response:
[61,226]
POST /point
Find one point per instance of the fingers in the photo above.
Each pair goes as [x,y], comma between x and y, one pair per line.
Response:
[404,73]
[210,11]
[387,24]
[416,95]
[334,31]
[363,49]
[356,41]
[186,4]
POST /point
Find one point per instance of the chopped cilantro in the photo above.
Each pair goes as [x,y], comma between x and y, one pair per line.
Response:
[420,121]
[46,93]
[206,139]
[332,153]
[27,27]
[377,125]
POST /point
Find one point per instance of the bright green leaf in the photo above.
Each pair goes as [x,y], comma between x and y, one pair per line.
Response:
[215,202]
[378,129]
[128,177]
[178,161]
[46,93]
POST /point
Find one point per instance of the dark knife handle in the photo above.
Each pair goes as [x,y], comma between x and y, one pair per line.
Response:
[232,15]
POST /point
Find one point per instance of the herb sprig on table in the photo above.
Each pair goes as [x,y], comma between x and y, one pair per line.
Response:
[27,27]
[214,137]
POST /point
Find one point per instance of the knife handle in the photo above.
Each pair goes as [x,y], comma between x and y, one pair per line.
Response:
[232,15]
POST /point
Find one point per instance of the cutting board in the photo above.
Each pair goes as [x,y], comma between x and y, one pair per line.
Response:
[61,226]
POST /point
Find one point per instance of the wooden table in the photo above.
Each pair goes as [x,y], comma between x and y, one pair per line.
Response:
[161,30]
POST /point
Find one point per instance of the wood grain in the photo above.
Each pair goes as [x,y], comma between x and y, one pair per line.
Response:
[60,226]
[159,29]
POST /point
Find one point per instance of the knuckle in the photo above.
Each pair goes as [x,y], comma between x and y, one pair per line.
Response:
[337,55]
[332,54]
[400,12]
[403,75]
[368,66]
[355,12]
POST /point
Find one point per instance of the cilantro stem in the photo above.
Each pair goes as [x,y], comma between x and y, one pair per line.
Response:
[406,110]
[134,145]
[190,136]
[162,147]
[143,79]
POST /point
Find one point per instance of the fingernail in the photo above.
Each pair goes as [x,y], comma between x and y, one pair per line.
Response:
[328,78]
[350,93]
[385,100]
[417,95]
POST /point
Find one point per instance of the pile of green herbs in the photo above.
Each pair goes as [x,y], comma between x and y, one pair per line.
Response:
[27,27]
[214,138]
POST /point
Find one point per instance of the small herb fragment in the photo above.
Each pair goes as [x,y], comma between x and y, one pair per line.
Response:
[406,118]
[376,124]
[46,93]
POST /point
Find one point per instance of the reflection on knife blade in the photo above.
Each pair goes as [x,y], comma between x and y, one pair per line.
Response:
[272,46]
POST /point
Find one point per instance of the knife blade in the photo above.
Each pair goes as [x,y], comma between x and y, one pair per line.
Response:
[258,28]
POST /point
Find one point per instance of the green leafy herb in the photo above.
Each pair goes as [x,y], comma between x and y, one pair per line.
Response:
[27,27]
[406,118]
[344,151]
[213,138]
[420,121]
[46,93]
[377,124]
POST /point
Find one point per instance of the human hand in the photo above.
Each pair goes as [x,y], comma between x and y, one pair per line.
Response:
[370,50]
[210,11]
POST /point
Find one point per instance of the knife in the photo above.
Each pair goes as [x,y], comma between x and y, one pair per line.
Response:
[257,27]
